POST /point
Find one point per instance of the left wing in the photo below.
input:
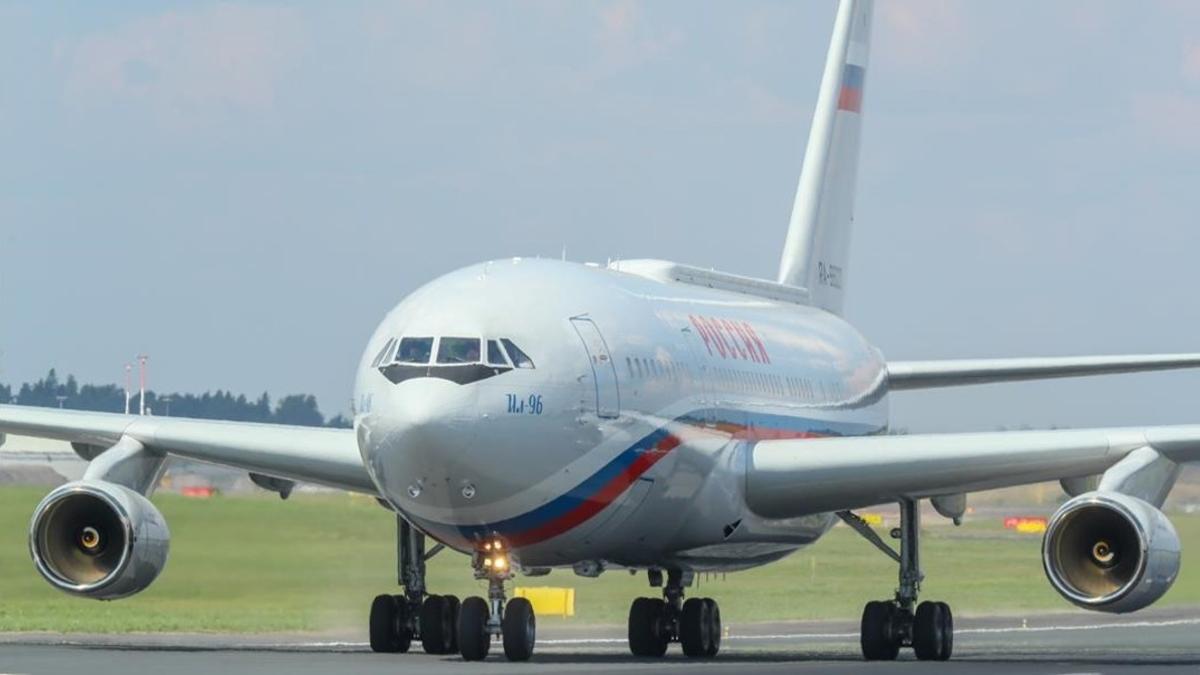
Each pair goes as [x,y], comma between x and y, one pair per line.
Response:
[311,454]
[787,478]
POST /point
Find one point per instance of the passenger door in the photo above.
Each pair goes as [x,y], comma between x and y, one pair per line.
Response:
[604,373]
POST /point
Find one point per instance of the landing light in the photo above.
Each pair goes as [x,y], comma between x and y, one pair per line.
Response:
[491,559]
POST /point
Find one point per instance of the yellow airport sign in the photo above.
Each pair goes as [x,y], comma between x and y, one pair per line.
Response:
[549,600]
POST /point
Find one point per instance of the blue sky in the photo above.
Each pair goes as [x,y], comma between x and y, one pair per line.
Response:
[242,190]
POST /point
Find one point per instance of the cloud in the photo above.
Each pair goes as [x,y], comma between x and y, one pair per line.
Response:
[1191,61]
[1169,118]
[183,65]
[922,35]
[432,44]
[627,38]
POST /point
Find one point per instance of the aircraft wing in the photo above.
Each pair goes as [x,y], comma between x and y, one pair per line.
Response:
[310,454]
[931,374]
[787,478]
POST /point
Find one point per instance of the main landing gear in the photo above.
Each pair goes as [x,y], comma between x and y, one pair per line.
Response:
[396,620]
[512,620]
[891,624]
[654,623]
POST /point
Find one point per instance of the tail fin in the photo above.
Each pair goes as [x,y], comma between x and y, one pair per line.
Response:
[818,239]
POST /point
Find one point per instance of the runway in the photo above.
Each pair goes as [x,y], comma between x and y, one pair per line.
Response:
[1165,641]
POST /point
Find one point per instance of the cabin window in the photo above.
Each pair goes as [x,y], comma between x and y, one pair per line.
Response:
[518,357]
[415,350]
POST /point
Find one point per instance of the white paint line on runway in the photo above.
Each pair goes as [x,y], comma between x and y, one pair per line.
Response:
[808,636]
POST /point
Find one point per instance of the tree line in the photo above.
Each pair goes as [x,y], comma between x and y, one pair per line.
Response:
[51,392]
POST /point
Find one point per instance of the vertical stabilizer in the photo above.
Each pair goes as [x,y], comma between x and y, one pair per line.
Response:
[818,239]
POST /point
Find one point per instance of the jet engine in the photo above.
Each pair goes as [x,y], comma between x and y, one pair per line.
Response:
[1110,552]
[98,540]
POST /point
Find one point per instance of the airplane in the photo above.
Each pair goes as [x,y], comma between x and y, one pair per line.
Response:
[651,416]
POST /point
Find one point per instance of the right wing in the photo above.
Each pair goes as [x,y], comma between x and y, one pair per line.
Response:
[310,454]
[787,478]
[953,373]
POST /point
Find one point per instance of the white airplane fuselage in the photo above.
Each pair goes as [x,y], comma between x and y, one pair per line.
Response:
[626,441]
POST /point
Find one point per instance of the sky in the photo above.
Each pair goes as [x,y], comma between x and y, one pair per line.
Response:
[241,190]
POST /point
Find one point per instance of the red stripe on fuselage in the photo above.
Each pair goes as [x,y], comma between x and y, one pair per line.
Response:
[615,487]
[602,498]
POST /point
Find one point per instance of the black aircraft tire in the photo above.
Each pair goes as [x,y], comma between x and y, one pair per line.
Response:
[519,628]
[436,625]
[878,643]
[385,618]
[693,636]
[645,634]
[474,641]
[933,631]
[714,627]
[452,630]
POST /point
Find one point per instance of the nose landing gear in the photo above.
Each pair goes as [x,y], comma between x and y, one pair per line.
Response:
[654,623]
[511,620]
[889,625]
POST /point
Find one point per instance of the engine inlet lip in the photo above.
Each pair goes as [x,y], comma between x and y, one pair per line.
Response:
[1061,585]
[47,571]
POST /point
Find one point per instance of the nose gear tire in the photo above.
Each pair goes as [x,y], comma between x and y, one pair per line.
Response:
[474,640]
[519,628]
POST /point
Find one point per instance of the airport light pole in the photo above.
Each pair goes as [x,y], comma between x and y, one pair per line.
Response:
[128,385]
[142,358]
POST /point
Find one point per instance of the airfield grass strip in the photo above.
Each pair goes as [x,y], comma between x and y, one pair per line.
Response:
[257,564]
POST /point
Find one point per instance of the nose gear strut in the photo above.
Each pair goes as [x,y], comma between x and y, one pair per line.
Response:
[480,620]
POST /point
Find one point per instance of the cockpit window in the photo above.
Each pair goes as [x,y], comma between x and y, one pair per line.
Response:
[383,353]
[458,350]
[519,359]
[414,350]
[495,356]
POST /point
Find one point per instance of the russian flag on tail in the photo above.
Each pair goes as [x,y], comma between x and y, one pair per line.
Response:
[850,97]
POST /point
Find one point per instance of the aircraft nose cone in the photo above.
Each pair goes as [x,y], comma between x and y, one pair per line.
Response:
[425,430]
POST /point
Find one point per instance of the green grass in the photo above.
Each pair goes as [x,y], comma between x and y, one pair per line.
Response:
[258,564]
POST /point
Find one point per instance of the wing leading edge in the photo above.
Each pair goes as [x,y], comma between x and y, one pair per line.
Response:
[788,478]
[953,373]
[311,454]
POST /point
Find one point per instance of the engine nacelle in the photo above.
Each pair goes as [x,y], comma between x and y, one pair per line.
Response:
[98,539]
[1110,552]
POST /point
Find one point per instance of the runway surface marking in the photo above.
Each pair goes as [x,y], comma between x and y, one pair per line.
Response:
[811,636]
